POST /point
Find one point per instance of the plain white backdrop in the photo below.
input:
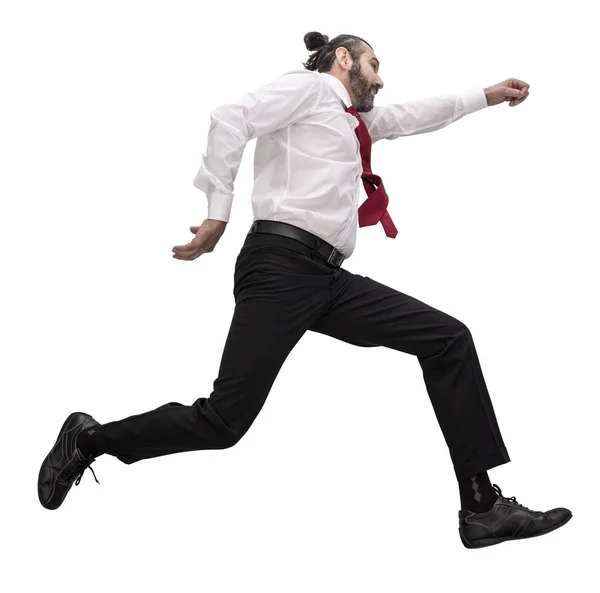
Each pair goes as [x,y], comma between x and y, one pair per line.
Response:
[344,482]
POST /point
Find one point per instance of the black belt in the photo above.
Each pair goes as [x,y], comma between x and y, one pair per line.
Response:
[275,227]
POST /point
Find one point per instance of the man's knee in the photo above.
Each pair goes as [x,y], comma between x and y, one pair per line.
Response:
[453,332]
[462,331]
[226,431]
[229,438]
[455,328]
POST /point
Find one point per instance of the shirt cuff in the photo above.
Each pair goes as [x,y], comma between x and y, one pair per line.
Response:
[473,100]
[219,205]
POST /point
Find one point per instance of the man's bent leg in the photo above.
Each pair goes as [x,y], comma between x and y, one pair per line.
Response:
[367,313]
[275,306]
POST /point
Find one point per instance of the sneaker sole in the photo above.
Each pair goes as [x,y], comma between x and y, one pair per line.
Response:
[491,541]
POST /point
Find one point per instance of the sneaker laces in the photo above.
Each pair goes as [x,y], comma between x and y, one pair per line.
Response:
[511,499]
[79,469]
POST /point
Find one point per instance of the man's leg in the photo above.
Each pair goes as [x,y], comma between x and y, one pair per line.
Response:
[279,292]
[278,297]
[367,313]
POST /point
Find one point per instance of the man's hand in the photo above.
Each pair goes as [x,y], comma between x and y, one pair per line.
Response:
[513,90]
[205,240]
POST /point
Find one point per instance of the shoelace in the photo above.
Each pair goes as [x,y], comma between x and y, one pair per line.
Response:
[79,469]
[512,498]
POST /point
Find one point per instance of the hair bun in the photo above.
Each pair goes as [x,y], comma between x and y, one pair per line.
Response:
[315,40]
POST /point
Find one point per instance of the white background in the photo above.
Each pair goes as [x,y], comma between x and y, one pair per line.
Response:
[344,482]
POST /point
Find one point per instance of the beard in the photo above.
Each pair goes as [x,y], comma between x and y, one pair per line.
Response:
[361,88]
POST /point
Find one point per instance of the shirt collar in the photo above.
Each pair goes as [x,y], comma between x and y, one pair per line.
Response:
[338,86]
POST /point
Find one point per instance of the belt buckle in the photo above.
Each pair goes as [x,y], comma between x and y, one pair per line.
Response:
[333,253]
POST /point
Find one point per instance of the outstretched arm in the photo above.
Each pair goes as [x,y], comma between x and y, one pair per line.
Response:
[426,115]
[420,116]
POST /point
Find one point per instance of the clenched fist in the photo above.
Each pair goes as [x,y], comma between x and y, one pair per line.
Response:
[207,236]
[513,90]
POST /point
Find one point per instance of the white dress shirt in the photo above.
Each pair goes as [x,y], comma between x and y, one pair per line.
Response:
[307,163]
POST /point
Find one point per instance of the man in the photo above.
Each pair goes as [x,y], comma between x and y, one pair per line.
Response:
[314,129]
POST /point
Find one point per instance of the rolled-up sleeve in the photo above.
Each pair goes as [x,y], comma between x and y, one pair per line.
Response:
[278,104]
[422,115]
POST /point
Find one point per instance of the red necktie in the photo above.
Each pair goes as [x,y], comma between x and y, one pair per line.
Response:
[374,208]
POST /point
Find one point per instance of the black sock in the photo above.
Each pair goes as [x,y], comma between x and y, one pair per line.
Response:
[87,443]
[477,493]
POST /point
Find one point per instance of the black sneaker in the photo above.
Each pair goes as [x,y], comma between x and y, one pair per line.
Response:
[65,462]
[507,520]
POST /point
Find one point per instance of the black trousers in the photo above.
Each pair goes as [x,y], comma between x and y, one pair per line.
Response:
[282,289]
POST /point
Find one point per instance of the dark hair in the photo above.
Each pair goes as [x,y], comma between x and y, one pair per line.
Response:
[322,60]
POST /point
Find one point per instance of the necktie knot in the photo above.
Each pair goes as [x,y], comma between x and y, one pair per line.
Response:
[353,111]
